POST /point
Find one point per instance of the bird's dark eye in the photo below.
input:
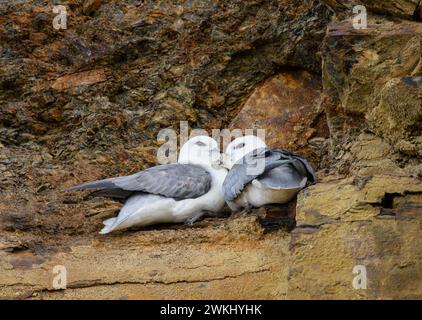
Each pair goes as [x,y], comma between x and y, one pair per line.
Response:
[240,145]
[200,143]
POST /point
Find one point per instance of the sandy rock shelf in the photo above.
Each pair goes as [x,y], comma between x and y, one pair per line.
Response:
[341,223]
[217,259]
[87,103]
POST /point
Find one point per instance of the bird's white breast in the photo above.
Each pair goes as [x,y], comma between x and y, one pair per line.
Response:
[212,201]
[257,195]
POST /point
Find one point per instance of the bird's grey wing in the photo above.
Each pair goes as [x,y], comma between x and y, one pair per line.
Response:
[283,177]
[300,164]
[291,171]
[116,193]
[179,181]
[248,168]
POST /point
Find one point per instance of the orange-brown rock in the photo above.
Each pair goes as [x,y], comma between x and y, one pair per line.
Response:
[91,5]
[397,8]
[287,107]
[124,69]
[78,79]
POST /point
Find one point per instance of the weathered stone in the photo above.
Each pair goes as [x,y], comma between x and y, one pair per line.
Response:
[147,49]
[398,8]
[418,12]
[355,199]
[358,64]
[96,95]
[323,262]
[91,5]
[370,80]
[370,155]
[87,103]
[286,106]
[194,262]
[78,79]
[399,113]
[372,222]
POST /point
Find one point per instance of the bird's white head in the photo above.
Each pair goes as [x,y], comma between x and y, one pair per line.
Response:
[240,147]
[200,150]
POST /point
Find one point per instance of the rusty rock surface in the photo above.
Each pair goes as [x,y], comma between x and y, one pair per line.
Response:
[371,82]
[287,107]
[227,259]
[408,9]
[369,221]
[87,103]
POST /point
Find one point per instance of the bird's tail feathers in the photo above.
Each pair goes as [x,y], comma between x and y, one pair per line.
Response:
[108,225]
[98,184]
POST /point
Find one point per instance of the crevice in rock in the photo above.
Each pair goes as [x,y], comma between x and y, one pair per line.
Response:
[95,283]
[307,228]
[388,201]
[361,182]
[99,283]
[389,207]
[16,249]
[417,16]
[277,216]
[272,224]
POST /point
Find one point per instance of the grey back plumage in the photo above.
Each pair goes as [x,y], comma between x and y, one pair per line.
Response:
[178,181]
[281,169]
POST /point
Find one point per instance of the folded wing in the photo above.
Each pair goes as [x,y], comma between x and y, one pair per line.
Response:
[274,168]
[179,181]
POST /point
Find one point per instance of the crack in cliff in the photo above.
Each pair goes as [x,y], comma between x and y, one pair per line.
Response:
[417,16]
[99,283]
[94,283]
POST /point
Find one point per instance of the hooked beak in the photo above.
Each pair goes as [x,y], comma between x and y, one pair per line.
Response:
[216,157]
[226,161]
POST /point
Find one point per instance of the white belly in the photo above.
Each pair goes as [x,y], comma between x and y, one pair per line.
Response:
[142,210]
[256,195]
[162,210]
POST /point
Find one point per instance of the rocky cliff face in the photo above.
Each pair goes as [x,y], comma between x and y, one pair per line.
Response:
[87,103]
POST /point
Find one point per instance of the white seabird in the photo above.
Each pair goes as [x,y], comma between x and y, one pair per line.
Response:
[260,175]
[170,193]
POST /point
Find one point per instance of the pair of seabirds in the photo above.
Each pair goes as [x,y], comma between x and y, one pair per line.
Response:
[199,183]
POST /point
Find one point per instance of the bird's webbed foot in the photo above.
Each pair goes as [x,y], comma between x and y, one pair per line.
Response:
[194,218]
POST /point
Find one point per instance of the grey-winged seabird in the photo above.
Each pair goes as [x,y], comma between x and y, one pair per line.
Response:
[168,193]
[260,175]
